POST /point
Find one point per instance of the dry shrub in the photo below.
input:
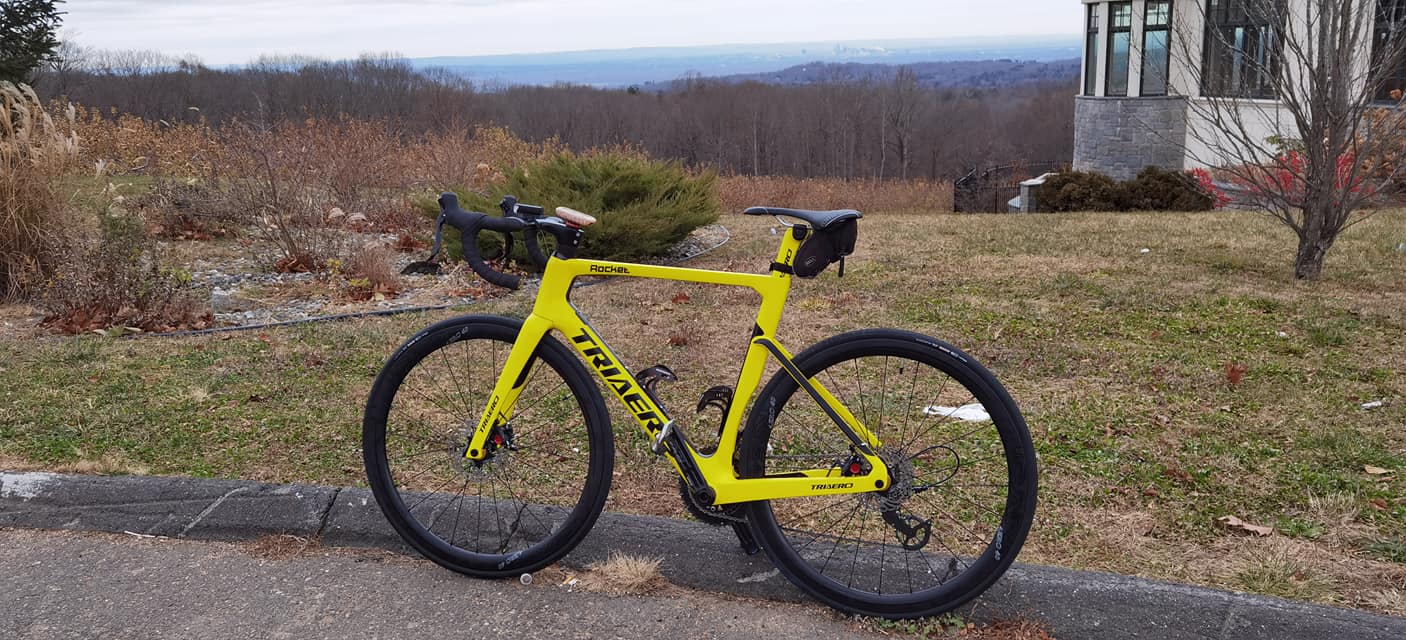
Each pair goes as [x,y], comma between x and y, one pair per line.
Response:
[357,162]
[273,181]
[34,153]
[370,271]
[739,192]
[118,280]
[187,209]
[116,143]
[472,159]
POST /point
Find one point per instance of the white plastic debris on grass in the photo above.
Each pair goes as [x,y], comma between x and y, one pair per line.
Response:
[1375,404]
[967,412]
[1144,250]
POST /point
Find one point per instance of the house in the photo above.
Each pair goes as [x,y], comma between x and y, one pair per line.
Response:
[1152,67]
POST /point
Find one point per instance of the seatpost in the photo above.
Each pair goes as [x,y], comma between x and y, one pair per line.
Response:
[786,254]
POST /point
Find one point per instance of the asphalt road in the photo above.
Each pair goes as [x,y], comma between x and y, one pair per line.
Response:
[68,585]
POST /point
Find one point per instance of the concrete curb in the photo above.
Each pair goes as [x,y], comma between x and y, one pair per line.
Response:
[1074,604]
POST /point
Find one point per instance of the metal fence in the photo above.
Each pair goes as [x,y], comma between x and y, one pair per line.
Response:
[989,190]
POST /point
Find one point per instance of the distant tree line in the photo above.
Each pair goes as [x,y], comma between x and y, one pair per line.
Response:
[892,128]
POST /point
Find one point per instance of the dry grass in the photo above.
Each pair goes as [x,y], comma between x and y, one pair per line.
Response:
[1008,630]
[370,271]
[1117,357]
[625,574]
[951,626]
[280,546]
[739,192]
[35,152]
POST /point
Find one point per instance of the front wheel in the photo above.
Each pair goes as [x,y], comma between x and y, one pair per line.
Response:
[962,495]
[541,488]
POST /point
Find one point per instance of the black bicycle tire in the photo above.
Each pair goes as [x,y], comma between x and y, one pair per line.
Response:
[597,422]
[1022,474]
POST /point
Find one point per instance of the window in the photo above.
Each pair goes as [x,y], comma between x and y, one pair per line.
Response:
[1388,57]
[1156,49]
[1242,48]
[1091,53]
[1120,25]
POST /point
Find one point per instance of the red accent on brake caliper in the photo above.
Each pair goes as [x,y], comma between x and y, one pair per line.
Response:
[854,468]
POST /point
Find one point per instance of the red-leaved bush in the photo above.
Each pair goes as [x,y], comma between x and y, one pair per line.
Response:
[1203,179]
[1284,178]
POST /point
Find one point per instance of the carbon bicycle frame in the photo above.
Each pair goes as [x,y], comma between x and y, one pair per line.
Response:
[553,311]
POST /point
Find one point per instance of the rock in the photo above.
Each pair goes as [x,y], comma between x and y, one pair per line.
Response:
[336,214]
[228,301]
[358,221]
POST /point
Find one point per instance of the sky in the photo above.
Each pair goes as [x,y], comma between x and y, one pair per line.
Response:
[228,32]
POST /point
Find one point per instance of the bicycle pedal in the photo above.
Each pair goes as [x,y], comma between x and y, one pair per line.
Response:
[658,445]
[649,378]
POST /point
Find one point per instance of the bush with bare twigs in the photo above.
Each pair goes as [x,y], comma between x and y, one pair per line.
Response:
[273,180]
[35,151]
[119,279]
[187,209]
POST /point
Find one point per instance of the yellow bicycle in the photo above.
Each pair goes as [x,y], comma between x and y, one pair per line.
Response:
[884,472]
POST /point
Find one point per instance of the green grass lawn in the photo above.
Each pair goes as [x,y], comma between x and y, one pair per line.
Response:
[1121,358]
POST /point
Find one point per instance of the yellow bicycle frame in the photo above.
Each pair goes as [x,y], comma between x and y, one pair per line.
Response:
[553,310]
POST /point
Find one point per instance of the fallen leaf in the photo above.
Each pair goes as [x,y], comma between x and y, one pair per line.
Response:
[1235,524]
[680,298]
[1378,504]
[1235,373]
[1376,471]
[1179,474]
[678,340]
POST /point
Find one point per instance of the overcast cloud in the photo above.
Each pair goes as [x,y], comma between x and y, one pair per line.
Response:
[231,32]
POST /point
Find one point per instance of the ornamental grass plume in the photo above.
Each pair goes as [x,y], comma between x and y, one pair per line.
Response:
[34,153]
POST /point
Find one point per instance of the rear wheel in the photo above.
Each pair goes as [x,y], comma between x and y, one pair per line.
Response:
[962,466]
[540,490]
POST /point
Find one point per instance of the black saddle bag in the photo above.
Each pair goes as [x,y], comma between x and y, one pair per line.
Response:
[824,248]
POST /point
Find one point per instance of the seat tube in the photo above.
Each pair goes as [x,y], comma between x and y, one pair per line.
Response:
[768,319]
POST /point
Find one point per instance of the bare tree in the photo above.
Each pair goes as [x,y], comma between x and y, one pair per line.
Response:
[901,103]
[1293,111]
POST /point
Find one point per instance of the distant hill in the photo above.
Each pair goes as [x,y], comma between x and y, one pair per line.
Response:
[953,73]
[624,67]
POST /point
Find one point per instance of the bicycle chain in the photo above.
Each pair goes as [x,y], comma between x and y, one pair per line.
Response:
[713,515]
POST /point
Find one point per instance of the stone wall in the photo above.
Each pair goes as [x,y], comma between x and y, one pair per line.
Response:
[1120,136]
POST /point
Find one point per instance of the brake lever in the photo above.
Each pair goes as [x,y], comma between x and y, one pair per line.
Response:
[438,236]
[428,266]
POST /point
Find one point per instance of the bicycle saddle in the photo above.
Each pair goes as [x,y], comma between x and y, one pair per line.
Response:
[819,220]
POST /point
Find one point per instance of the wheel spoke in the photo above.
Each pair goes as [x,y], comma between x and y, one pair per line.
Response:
[945,483]
[524,500]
